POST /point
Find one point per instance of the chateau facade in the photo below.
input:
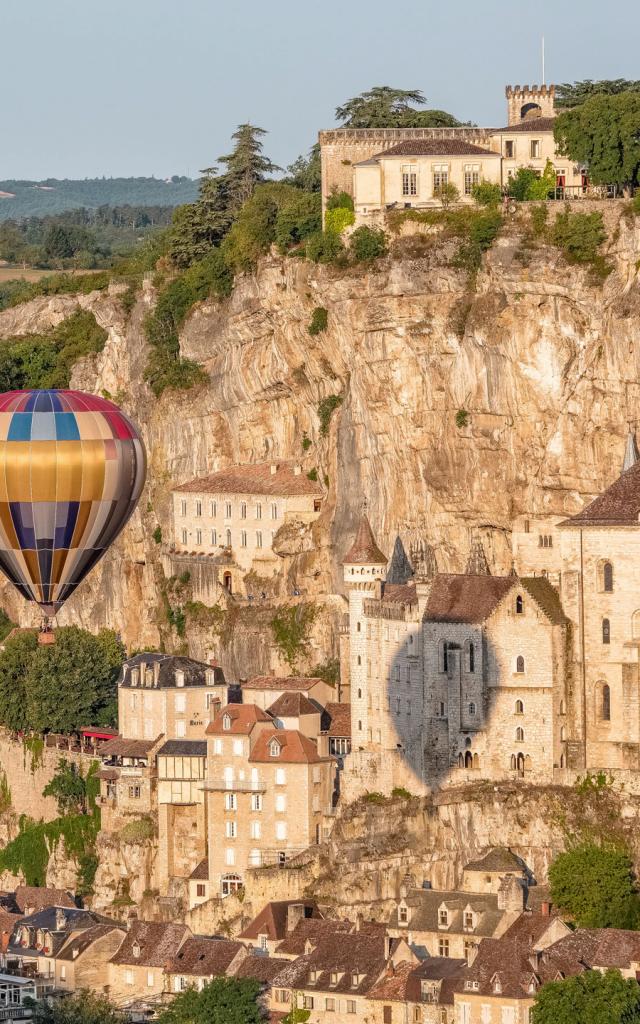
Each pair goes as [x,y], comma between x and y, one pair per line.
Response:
[398,168]
[531,675]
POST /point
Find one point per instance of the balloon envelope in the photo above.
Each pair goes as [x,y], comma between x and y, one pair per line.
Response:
[72,467]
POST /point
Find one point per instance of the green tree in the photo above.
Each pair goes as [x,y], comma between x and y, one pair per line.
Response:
[596,886]
[57,243]
[69,788]
[367,244]
[603,134]
[589,998]
[78,1008]
[306,172]
[198,227]
[386,107]
[246,165]
[15,660]
[572,94]
[487,193]
[73,682]
[221,1001]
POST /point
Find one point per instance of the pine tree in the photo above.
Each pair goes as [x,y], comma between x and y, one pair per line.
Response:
[246,165]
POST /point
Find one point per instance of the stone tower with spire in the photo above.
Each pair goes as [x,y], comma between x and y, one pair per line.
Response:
[364,567]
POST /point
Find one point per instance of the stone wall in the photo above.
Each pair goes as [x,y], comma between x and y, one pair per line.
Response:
[27,775]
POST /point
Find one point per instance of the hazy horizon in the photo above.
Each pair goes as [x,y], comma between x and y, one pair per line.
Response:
[158,88]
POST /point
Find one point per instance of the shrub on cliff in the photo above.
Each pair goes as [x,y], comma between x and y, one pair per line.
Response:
[367,244]
[46,360]
[579,235]
[291,628]
[338,219]
[13,293]
[319,320]
[340,201]
[276,213]
[596,886]
[324,247]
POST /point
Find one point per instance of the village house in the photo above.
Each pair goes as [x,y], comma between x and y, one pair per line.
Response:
[83,961]
[275,921]
[224,525]
[38,939]
[137,968]
[200,960]
[182,830]
[128,781]
[454,923]
[416,994]
[264,691]
[268,794]
[335,734]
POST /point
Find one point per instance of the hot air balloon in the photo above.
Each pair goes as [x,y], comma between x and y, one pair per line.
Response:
[72,467]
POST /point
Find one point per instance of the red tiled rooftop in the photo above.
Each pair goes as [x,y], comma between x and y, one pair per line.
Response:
[243,719]
[364,550]
[294,748]
[254,479]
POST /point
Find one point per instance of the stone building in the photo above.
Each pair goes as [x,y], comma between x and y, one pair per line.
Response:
[225,524]
[532,675]
[182,823]
[395,168]
[201,959]
[137,968]
[268,794]
[40,942]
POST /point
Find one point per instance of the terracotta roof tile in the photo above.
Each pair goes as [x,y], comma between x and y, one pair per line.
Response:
[600,947]
[273,918]
[295,748]
[337,718]
[32,898]
[364,550]
[243,718]
[204,958]
[619,505]
[399,593]
[363,956]
[261,968]
[534,124]
[120,747]
[158,943]
[254,479]
[461,598]
[314,930]
[201,871]
[435,147]
[293,703]
[78,943]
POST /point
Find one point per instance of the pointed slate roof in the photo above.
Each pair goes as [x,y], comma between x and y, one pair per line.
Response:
[364,550]
[630,452]
[400,570]
[619,505]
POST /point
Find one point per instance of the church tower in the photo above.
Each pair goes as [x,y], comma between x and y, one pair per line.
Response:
[364,568]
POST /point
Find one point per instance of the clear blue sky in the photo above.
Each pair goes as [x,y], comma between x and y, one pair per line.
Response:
[122,87]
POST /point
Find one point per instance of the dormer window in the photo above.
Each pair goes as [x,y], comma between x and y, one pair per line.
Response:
[136,950]
[468,921]
[210,677]
[496,985]
[179,677]
[226,722]
[532,986]
[443,917]
[135,676]
[334,978]
[355,980]
[313,977]
[403,915]
[274,749]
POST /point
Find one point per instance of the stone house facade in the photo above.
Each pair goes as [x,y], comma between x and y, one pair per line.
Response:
[229,520]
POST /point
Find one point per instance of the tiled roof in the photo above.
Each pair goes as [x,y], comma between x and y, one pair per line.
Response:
[254,480]
[261,968]
[272,919]
[336,719]
[32,898]
[282,683]
[364,550]
[600,947]
[295,748]
[619,505]
[201,871]
[393,983]
[165,666]
[243,719]
[461,598]
[362,957]
[202,957]
[425,905]
[498,858]
[158,943]
[79,942]
[293,703]
[8,921]
[435,147]
[399,593]
[545,596]
[534,124]
[183,748]
[120,747]
[403,982]
[313,930]
[58,921]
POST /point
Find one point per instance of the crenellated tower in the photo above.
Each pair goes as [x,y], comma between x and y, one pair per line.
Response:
[527,102]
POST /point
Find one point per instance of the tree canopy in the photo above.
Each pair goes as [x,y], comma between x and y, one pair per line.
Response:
[603,133]
[572,94]
[596,885]
[69,788]
[589,998]
[221,1001]
[79,1008]
[60,687]
[386,107]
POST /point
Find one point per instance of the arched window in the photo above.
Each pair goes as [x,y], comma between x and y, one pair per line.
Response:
[520,763]
[606,577]
[476,762]
[606,631]
[519,707]
[563,708]
[460,761]
[231,884]
[605,707]
[359,660]
[472,709]
[563,733]
[468,759]
[359,694]
[519,605]
[512,763]
[520,735]
[519,663]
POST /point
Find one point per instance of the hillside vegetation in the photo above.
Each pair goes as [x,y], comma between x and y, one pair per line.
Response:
[41,198]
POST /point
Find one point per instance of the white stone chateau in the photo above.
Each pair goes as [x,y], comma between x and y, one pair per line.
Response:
[533,675]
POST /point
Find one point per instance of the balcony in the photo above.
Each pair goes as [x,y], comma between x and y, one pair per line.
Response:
[222,785]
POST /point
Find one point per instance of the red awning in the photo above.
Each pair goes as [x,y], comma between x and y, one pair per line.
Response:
[99,734]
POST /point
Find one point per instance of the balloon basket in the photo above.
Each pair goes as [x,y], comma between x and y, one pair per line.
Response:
[46,636]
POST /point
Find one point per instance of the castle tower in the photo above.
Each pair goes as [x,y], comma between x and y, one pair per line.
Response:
[525,103]
[364,568]
[425,567]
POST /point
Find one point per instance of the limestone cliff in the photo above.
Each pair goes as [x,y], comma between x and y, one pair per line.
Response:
[544,362]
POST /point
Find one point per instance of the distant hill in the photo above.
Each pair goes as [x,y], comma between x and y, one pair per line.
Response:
[39,198]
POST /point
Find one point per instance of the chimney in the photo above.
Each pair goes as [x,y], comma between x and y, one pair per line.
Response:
[213,662]
[274,468]
[545,909]
[358,922]
[61,919]
[295,913]
[297,470]
[156,672]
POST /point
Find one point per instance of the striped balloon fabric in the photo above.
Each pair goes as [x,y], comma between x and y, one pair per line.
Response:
[72,467]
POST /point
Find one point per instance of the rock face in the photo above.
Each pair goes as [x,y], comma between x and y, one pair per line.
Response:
[544,362]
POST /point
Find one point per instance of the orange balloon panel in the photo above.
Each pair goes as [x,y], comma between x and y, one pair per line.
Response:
[72,467]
